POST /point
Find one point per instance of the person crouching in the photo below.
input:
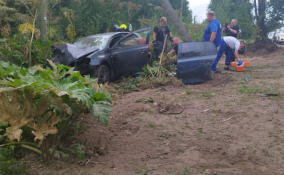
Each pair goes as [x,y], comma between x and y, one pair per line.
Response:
[232,47]
[174,50]
[173,53]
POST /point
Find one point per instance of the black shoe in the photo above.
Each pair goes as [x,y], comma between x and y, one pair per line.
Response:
[227,68]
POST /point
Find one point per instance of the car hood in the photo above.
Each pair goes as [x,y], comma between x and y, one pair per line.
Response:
[70,52]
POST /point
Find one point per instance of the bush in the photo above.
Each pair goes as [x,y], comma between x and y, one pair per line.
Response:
[8,165]
[16,50]
[37,103]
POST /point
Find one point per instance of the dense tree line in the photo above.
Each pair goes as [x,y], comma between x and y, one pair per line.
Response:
[256,17]
[75,18]
[70,19]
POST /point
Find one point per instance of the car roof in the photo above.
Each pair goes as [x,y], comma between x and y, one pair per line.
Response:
[108,34]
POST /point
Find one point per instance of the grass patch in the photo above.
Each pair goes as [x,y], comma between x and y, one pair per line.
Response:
[126,85]
[265,152]
[207,94]
[159,81]
[266,89]
[151,124]
[188,91]
[186,171]
[145,172]
[249,90]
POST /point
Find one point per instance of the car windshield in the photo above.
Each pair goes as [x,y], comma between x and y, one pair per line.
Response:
[99,41]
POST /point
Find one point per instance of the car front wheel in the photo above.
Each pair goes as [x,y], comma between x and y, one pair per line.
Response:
[103,74]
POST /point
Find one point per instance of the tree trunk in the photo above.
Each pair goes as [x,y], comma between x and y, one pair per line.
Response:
[43,19]
[181,8]
[173,17]
[255,10]
[261,19]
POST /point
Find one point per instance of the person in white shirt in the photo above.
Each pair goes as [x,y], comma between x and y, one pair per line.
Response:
[232,47]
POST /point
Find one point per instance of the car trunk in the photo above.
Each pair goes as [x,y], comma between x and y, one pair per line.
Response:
[194,61]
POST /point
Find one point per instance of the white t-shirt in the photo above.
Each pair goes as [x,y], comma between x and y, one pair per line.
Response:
[232,42]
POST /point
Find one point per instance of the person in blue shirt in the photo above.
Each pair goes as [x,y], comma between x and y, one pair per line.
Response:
[213,31]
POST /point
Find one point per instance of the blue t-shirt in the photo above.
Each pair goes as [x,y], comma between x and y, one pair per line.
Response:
[213,26]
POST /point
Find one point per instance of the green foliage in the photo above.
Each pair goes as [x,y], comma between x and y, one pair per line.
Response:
[154,71]
[207,94]
[8,165]
[15,50]
[268,15]
[226,10]
[68,19]
[275,14]
[14,13]
[47,101]
[80,151]
[185,171]
[196,31]
[261,89]
[127,85]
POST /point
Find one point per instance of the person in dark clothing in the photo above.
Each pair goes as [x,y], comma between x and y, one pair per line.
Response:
[175,48]
[173,53]
[159,35]
[232,30]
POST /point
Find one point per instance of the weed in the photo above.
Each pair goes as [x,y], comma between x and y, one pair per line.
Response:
[207,94]
[80,151]
[265,152]
[188,91]
[247,90]
[126,85]
[151,125]
[145,172]
[186,171]
[140,119]
[265,89]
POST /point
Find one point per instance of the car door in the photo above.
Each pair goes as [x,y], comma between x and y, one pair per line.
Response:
[130,54]
[194,61]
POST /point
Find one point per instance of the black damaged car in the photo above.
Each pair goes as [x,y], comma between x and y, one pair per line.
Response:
[107,56]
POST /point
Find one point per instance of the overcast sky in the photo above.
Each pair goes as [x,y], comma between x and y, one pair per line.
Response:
[199,8]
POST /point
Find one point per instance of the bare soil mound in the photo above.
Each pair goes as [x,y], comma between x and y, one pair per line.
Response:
[261,48]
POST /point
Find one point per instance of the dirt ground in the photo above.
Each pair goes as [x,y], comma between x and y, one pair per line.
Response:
[232,125]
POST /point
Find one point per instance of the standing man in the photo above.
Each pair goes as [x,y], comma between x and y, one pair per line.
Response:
[213,31]
[159,35]
[231,46]
[233,29]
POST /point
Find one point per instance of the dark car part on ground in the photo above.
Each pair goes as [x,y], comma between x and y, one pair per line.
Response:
[194,61]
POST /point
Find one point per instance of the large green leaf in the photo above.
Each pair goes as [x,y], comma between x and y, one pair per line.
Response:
[101,110]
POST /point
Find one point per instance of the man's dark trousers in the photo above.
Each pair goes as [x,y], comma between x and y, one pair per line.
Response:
[224,48]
